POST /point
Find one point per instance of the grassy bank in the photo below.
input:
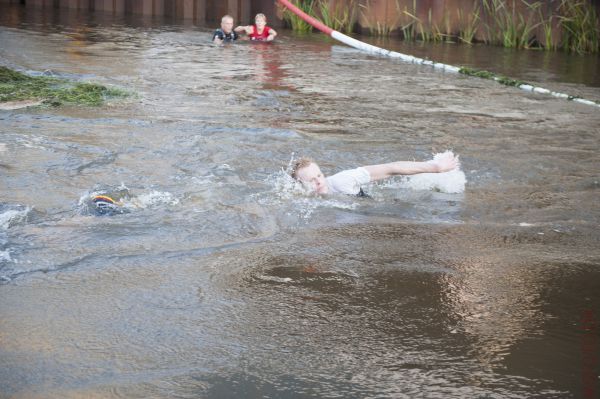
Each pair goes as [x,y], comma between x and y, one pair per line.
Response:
[16,86]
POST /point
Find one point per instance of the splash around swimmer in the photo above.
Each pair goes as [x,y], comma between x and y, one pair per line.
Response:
[350,182]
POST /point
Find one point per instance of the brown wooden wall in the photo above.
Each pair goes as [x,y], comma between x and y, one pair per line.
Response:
[243,11]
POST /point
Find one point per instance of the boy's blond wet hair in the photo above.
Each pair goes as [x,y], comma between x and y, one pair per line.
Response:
[227,17]
[260,15]
[301,163]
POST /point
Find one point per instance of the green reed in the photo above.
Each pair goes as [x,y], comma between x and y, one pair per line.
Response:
[340,17]
[376,27]
[410,27]
[508,23]
[16,86]
[296,23]
[435,33]
[548,30]
[414,28]
[580,26]
[469,24]
[508,26]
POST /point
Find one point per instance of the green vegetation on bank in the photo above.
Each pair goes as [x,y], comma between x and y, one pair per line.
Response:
[16,86]
[570,25]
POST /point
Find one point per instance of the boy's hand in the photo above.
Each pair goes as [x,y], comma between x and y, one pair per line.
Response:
[446,162]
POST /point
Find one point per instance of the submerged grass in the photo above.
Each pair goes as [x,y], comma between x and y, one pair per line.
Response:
[511,82]
[17,86]
[492,76]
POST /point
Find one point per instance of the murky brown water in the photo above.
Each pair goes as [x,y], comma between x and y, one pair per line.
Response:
[222,282]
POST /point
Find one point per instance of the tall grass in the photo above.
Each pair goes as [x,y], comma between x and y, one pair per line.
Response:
[468,23]
[580,26]
[571,25]
[548,42]
[340,17]
[377,27]
[508,26]
[295,22]
[409,26]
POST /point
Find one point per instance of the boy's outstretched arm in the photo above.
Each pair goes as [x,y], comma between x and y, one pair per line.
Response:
[442,164]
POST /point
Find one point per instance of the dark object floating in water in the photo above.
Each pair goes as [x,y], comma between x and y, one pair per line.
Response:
[103,205]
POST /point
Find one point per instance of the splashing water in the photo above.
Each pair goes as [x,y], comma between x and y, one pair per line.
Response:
[303,203]
[125,201]
[12,216]
[153,198]
[452,182]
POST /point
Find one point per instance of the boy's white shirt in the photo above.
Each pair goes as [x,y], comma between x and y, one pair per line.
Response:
[348,181]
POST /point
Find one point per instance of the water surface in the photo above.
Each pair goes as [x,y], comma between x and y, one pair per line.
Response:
[223,281]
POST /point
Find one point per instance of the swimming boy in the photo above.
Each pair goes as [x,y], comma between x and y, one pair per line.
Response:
[350,181]
[259,31]
[105,205]
[226,33]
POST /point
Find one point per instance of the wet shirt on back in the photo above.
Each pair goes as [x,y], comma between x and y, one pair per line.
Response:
[349,181]
[226,37]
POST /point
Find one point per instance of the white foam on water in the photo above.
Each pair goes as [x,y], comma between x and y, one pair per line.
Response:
[452,182]
[128,201]
[5,256]
[32,142]
[11,216]
[151,199]
[274,279]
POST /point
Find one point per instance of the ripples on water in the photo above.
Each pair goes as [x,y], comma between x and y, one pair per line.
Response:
[224,279]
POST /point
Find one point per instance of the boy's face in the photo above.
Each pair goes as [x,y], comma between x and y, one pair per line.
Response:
[260,22]
[227,25]
[312,178]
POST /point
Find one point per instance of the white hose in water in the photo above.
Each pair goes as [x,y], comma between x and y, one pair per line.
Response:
[368,48]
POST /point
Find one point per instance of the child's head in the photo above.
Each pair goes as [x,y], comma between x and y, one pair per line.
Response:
[227,23]
[260,20]
[309,174]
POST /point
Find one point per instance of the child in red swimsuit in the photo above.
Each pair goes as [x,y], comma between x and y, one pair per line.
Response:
[259,31]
